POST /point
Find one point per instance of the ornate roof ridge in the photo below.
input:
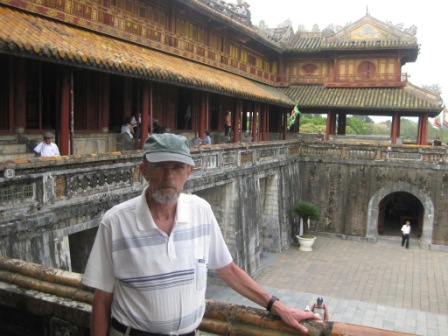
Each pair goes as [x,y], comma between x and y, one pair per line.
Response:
[234,19]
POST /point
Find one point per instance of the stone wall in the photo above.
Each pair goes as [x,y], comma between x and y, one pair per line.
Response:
[345,190]
[47,205]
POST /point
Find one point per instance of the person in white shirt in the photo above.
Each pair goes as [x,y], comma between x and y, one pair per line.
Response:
[406,231]
[149,262]
[127,128]
[46,147]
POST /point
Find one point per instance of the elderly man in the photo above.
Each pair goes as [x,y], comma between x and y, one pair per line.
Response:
[150,257]
[46,147]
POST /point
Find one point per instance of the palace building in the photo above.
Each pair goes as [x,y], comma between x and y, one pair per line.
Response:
[80,68]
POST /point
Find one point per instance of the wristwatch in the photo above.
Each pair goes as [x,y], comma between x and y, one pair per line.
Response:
[271,302]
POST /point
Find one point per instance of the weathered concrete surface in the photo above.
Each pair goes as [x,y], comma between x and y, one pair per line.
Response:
[47,206]
[57,303]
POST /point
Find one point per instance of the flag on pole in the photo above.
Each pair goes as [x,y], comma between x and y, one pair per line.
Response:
[445,118]
[293,115]
[436,122]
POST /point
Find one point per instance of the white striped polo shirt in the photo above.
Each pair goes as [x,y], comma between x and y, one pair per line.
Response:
[158,280]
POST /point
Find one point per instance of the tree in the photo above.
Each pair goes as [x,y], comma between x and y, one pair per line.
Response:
[358,124]
[433,88]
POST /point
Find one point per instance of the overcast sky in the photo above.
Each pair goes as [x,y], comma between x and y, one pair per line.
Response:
[429,16]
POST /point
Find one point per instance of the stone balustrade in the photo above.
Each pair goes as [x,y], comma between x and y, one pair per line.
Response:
[36,183]
[56,303]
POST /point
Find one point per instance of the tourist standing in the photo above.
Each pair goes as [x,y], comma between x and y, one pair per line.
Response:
[149,262]
[46,147]
[406,231]
[207,140]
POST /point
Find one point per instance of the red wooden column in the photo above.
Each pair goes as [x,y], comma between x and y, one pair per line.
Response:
[262,122]
[255,119]
[64,125]
[262,126]
[422,135]
[146,112]
[331,121]
[395,129]
[425,129]
[20,95]
[236,121]
[203,114]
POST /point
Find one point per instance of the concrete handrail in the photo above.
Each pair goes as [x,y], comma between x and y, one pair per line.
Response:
[220,318]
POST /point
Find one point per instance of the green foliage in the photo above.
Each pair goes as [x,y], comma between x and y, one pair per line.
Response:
[360,124]
[381,128]
[306,210]
[313,120]
[364,125]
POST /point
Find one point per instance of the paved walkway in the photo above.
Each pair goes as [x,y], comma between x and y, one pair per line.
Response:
[380,285]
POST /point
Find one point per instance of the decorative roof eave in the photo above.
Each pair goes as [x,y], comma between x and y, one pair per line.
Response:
[252,32]
[378,36]
[409,100]
[307,45]
[40,38]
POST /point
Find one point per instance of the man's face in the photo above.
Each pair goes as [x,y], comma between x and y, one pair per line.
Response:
[166,179]
[47,140]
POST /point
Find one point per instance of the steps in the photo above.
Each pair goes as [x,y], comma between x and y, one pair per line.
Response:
[12,148]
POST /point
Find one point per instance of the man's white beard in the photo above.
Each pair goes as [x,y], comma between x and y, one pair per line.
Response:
[165,197]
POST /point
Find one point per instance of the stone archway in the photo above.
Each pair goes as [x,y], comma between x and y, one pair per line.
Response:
[395,209]
[428,208]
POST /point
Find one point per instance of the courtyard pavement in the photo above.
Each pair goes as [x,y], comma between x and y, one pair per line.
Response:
[380,285]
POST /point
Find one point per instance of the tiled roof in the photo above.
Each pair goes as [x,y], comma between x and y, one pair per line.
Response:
[33,36]
[319,44]
[365,34]
[251,31]
[408,100]
[308,44]
[369,45]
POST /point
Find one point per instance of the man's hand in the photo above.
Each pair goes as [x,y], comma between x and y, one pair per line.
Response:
[292,317]
[241,282]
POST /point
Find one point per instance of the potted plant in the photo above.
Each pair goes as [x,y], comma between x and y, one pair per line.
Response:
[308,211]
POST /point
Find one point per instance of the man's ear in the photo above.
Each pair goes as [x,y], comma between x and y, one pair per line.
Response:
[190,170]
[142,167]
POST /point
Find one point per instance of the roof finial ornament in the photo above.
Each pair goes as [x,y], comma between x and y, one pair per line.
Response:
[367,11]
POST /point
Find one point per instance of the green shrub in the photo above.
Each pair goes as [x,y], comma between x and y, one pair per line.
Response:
[306,210]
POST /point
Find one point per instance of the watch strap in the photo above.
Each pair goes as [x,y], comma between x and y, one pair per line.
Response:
[271,302]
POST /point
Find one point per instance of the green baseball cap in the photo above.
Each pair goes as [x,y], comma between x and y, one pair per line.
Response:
[167,147]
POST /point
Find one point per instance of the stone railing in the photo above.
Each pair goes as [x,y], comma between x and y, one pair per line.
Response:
[58,303]
[37,183]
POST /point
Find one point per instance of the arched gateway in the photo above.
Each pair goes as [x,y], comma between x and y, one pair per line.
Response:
[427,215]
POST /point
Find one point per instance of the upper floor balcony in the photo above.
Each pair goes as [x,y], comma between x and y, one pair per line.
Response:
[243,61]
